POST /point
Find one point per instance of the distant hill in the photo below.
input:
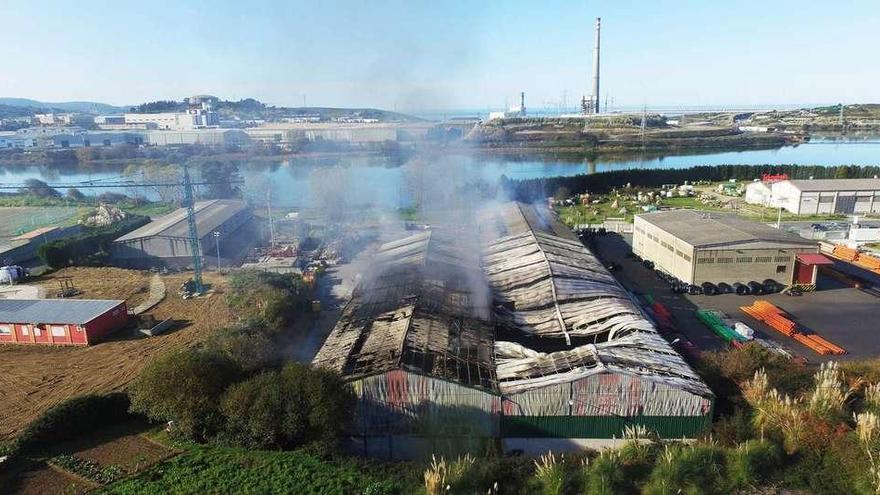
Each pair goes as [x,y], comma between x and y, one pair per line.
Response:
[65,106]
[243,109]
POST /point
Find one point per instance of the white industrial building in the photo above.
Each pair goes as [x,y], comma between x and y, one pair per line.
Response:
[818,196]
[207,137]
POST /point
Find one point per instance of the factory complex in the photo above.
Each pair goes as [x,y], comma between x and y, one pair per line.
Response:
[517,335]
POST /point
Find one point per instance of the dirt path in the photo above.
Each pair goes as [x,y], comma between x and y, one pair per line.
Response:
[34,378]
[157,293]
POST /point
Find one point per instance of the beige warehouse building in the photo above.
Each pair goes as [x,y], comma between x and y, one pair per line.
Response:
[697,247]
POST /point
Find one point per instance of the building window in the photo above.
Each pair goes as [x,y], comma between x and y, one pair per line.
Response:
[780,268]
[744,259]
[782,259]
[763,259]
[826,199]
[4,330]
[58,332]
[725,260]
[705,261]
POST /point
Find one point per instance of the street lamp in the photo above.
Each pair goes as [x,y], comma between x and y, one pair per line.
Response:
[216,235]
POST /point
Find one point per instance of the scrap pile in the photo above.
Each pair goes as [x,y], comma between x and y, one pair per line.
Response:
[779,321]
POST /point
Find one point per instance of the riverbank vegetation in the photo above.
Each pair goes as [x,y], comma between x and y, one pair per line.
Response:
[604,182]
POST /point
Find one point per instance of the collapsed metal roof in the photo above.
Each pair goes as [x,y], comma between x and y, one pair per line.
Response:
[645,355]
[550,286]
[419,308]
[430,305]
[551,289]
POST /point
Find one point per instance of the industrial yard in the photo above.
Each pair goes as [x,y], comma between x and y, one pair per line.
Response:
[35,378]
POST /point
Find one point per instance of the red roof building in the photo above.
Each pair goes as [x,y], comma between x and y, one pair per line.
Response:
[59,321]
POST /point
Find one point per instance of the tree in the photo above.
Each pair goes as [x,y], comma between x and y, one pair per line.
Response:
[297,406]
[75,194]
[222,177]
[36,187]
[184,387]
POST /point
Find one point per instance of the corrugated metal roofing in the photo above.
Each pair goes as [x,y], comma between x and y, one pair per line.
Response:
[837,185]
[70,311]
[703,229]
[209,216]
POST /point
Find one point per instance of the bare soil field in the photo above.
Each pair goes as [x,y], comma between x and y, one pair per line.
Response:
[99,283]
[132,453]
[35,378]
[41,479]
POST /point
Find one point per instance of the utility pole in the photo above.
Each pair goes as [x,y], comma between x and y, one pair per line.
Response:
[217,243]
[189,202]
[269,209]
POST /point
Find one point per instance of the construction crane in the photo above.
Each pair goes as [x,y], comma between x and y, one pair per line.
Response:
[188,200]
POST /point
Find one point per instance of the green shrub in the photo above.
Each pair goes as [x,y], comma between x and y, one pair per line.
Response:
[689,468]
[751,462]
[90,246]
[272,299]
[246,345]
[297,406]
[606,475]
[73,418]
[185,388]
[88,469]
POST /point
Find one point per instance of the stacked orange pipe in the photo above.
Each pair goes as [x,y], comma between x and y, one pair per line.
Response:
[778,320]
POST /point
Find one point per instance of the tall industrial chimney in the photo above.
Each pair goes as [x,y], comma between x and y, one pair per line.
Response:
[595,96]
[522,103]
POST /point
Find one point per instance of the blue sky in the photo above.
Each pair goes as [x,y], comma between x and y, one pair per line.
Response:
[422,54]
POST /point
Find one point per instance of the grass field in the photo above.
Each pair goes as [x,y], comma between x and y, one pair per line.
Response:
[207,469]
[20,219]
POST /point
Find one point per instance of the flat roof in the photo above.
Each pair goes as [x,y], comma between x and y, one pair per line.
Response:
[209,216]
[814,185]
[74,311]
[704,229]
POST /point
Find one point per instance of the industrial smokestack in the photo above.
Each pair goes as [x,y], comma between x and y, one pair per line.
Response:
[522,103]
[595,97]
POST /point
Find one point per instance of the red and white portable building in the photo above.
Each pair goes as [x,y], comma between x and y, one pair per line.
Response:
[59,321]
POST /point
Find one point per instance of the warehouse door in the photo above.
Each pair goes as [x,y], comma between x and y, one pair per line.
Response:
[845,205]
[803,273]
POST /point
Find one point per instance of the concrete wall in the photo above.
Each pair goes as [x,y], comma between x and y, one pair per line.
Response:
[746,265]
[669,254]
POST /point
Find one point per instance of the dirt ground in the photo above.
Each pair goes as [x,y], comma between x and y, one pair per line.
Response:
[34,378]
[130,451]
[42,479]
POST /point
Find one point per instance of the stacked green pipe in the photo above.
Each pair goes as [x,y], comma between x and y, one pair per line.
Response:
[713,321]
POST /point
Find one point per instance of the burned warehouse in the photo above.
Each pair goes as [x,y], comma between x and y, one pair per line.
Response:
[523,338]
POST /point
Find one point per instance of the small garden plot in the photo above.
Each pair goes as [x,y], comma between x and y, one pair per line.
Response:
[42,479]
[130,453]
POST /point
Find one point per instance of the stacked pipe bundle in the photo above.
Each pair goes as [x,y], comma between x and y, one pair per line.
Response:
[663,316]
[778,320]
[864,260]
[712,320]
[845,253]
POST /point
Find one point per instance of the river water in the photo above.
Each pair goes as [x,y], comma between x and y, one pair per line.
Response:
[301,182]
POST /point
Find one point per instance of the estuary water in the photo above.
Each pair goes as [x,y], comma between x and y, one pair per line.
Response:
[300,182]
